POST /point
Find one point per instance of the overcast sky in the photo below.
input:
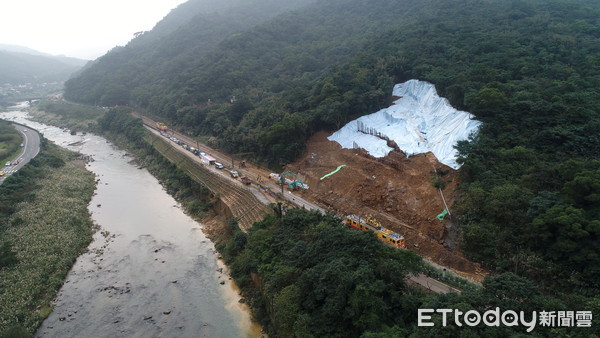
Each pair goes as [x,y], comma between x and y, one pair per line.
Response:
[85,29]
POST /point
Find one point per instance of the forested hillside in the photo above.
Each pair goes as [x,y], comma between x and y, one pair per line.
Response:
[20,68]
[528,69]
[153,62]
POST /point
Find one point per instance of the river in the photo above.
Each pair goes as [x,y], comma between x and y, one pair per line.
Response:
[150,270]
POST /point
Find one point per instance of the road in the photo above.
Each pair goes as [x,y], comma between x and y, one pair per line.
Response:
[431,284]
[31,147]
[254,172]
[251,171]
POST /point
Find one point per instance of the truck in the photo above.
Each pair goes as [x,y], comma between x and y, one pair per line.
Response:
[162,127]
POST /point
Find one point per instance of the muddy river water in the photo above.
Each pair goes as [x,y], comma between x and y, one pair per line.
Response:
[150,271]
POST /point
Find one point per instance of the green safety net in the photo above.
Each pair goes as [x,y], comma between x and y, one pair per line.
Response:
[333,172]
[442,215]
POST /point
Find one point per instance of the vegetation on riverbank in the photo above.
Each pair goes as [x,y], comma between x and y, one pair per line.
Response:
[45,226]
[74,116]
[10,139]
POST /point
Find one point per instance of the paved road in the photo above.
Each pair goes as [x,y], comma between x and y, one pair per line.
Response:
[31,147]
[432,284]
[421,280]
[251,171]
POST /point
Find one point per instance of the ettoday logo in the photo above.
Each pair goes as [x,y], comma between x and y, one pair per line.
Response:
[495,317]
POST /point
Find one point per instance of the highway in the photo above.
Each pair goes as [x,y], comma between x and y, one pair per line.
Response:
[31,147]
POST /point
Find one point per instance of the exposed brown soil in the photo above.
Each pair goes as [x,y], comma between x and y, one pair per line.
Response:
[214,225]
[395,189]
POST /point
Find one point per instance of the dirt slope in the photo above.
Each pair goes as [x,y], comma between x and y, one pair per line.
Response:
[394,189]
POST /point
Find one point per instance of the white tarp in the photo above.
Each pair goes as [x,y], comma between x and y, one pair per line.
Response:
[419,122]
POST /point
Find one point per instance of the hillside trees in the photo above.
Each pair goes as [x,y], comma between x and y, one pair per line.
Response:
[149,64]
[528,69]
[318,278]
[307,275]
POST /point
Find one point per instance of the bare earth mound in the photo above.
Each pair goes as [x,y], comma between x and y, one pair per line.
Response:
[395,189]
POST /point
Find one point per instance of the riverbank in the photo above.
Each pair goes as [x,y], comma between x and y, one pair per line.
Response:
[46,226]
[197,201]
[73,116]
[154,274]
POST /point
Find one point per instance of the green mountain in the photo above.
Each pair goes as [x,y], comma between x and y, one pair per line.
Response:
[528,69]
[153,61]
[20,65]
[263,82]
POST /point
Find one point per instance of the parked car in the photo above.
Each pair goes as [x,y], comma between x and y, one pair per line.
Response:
[219,165]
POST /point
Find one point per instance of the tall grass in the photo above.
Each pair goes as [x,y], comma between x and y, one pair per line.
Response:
[77,117]
[47,232]
[9,142]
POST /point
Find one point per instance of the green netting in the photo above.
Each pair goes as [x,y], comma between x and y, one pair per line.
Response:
[333,172]
[442,215]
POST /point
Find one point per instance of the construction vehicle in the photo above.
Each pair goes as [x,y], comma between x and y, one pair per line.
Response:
[281,179]
[162,127]
[294,185]
[371,224]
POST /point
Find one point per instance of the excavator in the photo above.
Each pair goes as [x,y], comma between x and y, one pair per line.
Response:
[294,185]
[281,178]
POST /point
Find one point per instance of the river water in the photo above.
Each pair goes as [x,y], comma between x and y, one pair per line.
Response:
[150,271]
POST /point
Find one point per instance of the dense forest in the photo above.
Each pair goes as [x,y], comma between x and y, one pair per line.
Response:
[153,61]
[307,276]
[528,69]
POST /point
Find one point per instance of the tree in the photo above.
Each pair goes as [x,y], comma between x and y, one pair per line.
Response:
[487,102]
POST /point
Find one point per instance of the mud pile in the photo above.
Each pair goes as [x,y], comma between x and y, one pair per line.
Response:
[397,190]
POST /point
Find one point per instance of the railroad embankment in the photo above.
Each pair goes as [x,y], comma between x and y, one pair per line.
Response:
[234,199]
